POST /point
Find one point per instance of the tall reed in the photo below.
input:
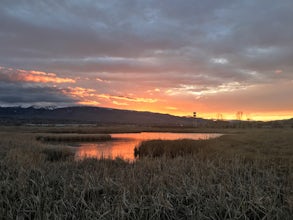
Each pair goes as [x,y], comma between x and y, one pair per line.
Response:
[216,184]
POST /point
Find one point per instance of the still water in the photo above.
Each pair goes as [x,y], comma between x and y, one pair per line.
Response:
[122,145]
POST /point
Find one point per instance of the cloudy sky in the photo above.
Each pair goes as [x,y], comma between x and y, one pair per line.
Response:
[215,57]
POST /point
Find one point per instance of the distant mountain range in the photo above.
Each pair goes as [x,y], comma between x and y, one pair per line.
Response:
[91,115]
[106,116]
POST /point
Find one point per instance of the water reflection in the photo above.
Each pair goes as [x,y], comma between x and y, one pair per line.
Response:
[109,149]
[123,145]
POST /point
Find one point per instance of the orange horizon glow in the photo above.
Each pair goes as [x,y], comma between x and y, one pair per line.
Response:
[159,104]
[172,58]
[216,103]
[256,116]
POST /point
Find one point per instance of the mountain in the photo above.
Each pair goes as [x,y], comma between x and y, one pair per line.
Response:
[91,115]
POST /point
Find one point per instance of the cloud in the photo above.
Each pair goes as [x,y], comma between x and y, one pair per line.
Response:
[119,103]
[180,37]
[259,98]
[11,75]
[88,96]
[30,87]
[194,49]
[12,94]
[129,99]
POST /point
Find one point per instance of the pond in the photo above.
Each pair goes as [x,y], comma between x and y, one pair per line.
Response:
[122,145]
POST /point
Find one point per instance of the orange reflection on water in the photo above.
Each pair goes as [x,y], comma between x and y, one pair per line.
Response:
[123,145]
[110,149]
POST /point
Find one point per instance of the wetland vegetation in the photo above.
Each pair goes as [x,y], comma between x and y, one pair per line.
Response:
[247,174]
[74,137]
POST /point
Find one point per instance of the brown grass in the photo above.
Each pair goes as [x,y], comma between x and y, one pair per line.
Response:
[227,180]
[79,129]
[169,148]
[273,143]
[74,137]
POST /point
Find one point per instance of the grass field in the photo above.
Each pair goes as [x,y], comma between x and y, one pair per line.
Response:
[247,174]
[74,137]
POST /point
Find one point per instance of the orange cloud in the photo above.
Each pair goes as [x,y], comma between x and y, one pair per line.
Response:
[33,76]
[88,102]
[91,97]
[79,92]
[42,77]
[129,99]
[259,102]
[171,108]
[119,103]
[102,80]
[84,95]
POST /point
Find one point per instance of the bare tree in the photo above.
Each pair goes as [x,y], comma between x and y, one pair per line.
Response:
[219,117]
[239,115]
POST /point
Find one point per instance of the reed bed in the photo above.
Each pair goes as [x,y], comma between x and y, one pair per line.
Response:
[109,129]
[208,184]
[253,144]
[179,188]
[74,137]
[169,148]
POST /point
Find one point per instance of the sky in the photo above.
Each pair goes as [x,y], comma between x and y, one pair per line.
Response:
[213,57]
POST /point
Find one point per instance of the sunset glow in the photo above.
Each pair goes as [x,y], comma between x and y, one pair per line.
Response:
[175,58]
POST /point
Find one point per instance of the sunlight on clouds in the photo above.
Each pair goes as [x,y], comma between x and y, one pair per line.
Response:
[43,78]
[102,80]
[200,91]
[130,99]
[117,59]
[171,108]
[119,103]
[89,102]
[79,92]
[92,97]
[33,76]
[278,71]
[152,91]
[173,57]
[219,60]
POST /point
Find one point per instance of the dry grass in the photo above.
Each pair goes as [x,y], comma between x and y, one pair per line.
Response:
[225,183]
[169,148]
[74,137]
[79,129]
[255,144]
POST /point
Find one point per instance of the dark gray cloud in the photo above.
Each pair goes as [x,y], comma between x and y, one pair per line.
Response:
[170,44]
[266,98]
[26,94]
[132,28]
[255,35]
